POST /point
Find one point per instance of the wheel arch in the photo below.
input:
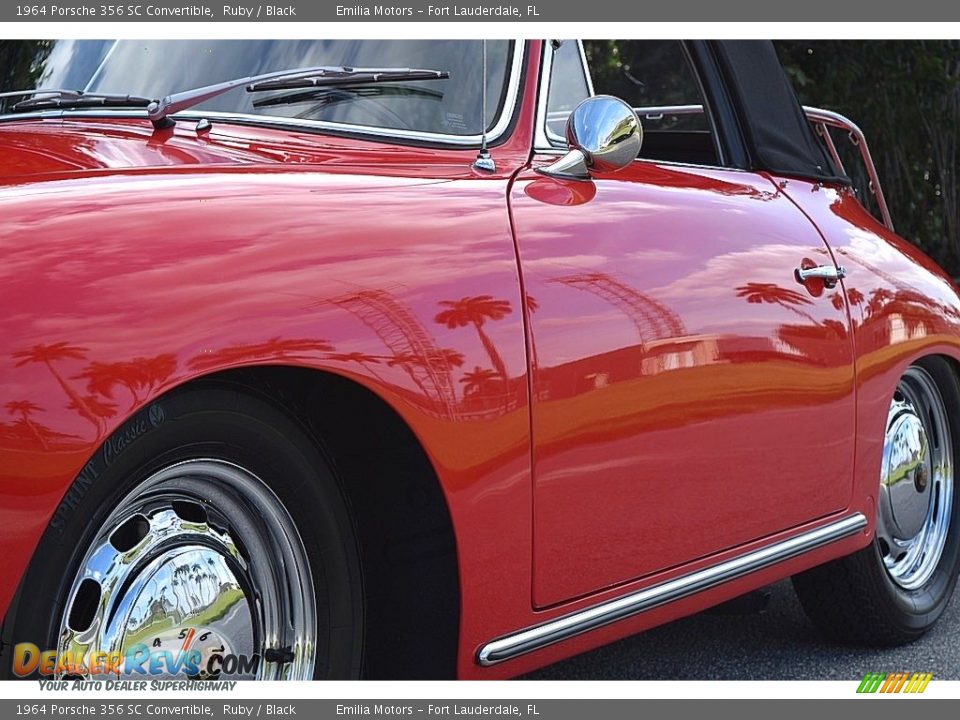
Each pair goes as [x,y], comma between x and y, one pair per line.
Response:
[858,598]
[875,389]
[398,508]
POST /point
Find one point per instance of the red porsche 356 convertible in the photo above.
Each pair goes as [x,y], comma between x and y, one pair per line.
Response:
[451,359]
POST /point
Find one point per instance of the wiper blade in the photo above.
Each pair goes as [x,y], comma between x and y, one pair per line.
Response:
[343,93]
[159,112]
[333,77]
[64,99]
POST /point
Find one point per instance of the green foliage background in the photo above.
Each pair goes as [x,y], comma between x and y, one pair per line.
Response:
[21,62]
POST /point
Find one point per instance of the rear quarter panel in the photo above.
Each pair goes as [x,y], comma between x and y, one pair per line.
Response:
[902,307]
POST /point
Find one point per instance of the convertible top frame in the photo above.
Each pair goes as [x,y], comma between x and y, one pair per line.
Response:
[822,120]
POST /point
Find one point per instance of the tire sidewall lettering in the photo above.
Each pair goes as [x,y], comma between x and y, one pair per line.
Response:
[113,447]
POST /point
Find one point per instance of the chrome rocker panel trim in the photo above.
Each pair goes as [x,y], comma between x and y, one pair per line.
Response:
[577,623]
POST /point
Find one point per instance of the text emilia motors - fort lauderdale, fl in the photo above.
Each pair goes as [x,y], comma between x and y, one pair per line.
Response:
[437,11]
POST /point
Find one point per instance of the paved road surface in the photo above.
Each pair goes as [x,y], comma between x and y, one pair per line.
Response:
[778,644]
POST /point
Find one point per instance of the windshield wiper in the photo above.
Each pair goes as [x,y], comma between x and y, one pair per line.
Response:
[343,93]
[63,99]
[159,111]
[333,77]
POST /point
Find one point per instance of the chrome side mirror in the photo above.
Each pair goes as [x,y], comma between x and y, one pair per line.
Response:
[604,135]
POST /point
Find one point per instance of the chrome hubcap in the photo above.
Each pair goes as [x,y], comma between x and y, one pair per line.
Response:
[199,572]
[916,481]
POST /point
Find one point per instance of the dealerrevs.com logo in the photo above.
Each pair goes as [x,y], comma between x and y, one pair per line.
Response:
[191,652]
[899,682]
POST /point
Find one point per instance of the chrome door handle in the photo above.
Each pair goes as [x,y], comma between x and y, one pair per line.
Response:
[830,274]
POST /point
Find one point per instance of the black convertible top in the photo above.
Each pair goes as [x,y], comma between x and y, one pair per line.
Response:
[776,131]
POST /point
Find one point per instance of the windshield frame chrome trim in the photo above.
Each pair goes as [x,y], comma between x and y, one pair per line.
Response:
[496,133]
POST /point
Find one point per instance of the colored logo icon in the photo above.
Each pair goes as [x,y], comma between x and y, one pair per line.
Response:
[894,682]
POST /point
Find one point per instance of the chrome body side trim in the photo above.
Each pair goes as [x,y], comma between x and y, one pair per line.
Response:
[283,123]
[583,621]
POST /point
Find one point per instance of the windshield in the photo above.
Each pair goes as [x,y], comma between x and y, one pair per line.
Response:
[155,68]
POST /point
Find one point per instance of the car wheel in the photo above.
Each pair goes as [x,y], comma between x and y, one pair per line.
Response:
[893,591]
[211,523]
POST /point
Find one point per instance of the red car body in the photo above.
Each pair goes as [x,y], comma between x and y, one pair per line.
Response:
[675,398]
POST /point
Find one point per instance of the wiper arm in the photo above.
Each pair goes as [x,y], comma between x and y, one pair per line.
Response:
[159,111]
[63,99]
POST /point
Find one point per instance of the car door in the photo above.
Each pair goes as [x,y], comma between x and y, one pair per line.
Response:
[688,394]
